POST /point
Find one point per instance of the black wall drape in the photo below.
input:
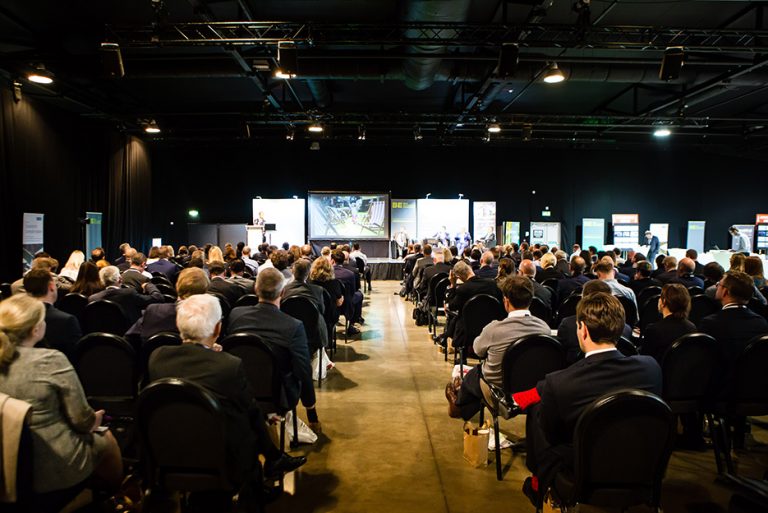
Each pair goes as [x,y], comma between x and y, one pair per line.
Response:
[56,163]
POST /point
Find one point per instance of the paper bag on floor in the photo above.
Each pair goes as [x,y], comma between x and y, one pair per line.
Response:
[476,444]
[306,435]
[316,367]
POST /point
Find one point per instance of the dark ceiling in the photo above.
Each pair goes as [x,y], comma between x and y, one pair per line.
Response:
[204,69]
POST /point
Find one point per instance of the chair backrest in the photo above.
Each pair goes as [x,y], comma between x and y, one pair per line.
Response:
[551,283]
[247,300]
[701,306]
[432,285]
[478,311]
[360,263]
[224,302]
[5,290]
[528,360]
[159,278]
[568,308]
[437,298]
[622,444]
[626,347]
[164,288]
[73,304]
[261,367]
[104,316]
[540,309]
[756,306]
[304,310]
[630,310]
[688,368]
[748,384]
[649,313]
[646,293]
[695,291]
[164,338]
[107,366]
[183,437]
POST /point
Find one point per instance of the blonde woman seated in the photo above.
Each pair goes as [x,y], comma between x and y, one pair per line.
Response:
[72,267]
[68,443]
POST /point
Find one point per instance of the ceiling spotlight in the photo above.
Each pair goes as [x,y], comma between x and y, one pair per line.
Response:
[290,134]
[151,127]
[494,128]
[361,133]
[662,131]
[553,74]
[283,75]
[40,75]
[315,128]
[417,134]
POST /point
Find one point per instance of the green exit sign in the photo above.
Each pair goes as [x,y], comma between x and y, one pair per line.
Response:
[546,213]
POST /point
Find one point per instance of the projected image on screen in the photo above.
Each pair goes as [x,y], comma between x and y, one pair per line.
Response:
[353,216]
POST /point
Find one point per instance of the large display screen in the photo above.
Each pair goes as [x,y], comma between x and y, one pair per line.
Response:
[278,221]
[436,217]
[593,232]
[348,215]
[626,230]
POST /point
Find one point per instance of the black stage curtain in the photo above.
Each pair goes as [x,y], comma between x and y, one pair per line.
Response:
[59,164]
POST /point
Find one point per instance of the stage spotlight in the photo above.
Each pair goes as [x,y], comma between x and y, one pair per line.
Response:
[509,57]
[494,128]
[662,132]
[316,128]
[287,59]
[672,63]
[361,133]
[151,127]
[553,74]
[40,75]
[417,134]
[112,60]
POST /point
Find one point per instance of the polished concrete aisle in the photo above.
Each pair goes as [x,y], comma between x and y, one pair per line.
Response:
[388,444]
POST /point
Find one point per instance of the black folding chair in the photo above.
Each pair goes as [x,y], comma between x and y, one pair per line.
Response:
[304,310]
[247,300]
[437,301]
[164,338]
[627,426]
[264,372]
[541,310]
[526,362]
[159,278]
[329,307]
[630,309]
[626,347]
[182,428]
[568,308]
[224,302]
[431,299]
[104,316]
[702,306]
[166,289]
[73,304]
[649,312]
[695,291]
[551,283]
[647,293]
[477,313]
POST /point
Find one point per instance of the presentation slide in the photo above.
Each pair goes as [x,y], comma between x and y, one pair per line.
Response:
[483,217]
[511,230]
[287,216]
[695,238]
[593,233]
[545,233]
[441,215]
[626,230]
[348,215]
[403,218]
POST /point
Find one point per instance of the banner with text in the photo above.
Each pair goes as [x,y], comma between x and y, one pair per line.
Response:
[31,238]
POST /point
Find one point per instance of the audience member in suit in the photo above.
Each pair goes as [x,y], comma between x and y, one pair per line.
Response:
[352,296]
[131,301]
[693,255]
[459,294]
[163,265]
[653,246]
[125,264]
[562,264]
[674,305]
[124,257]
[528,268]
[494,340]
[566,286]
[236,270]
[314,293]
[642,279]
[685,274]
[660,268]
[421,264]
[220,284]
[441,257]
[62,329]
[252,264]
[486,269]
[549,269]
[556,403]
[606,272]
[713,273]
[410,260]
[281,330]
[161,317]
[200,360]
[136,275]
[567,332]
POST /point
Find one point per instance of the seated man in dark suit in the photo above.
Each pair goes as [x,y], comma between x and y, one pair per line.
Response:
[200,360]
[674,306]
[62,329]
[124,261]
[549,269]
[163,265]
[220,285]
[670,270]
[566,286]
[441,266]
[136,275]
[161,317]
[567,332]
[314,293]
[555,404]
[352,297]
[131,301]
[528,268]
[459,294]
[694,255]
[685,276]
[486,269]
[280,329]
[236,270]
[421,264]
[642,279]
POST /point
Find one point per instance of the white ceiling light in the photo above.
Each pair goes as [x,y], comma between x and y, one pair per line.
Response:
[494,128]
[553,74]
[662,132]
[40,75]
[315,128]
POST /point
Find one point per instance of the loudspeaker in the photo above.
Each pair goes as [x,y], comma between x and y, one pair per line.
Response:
[672,63]
[112,60]
[508,59]
[288,58]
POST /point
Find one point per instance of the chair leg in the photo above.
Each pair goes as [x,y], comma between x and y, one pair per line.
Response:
[714,434]
[282,434]
[498,447]
[482,415]
[320,369]
[346,330]
[295,441]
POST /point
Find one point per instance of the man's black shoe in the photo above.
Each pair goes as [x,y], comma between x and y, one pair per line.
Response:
[532,494]
[353,331]
[283,464]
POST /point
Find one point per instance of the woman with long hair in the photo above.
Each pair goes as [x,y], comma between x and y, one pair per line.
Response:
[72,267]
[87,282]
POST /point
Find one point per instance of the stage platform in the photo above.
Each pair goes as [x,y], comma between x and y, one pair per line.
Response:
[386,269]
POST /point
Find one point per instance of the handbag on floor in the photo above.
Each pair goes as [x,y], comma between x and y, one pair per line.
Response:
[476,444]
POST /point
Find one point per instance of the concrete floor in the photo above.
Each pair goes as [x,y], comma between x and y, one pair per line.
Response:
[388,444]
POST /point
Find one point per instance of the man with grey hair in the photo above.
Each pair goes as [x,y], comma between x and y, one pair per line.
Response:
[685,270]
[487,269]
[284,332]
[128,298]
[562,264]
[252,264]
[200,360]
[528,269]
